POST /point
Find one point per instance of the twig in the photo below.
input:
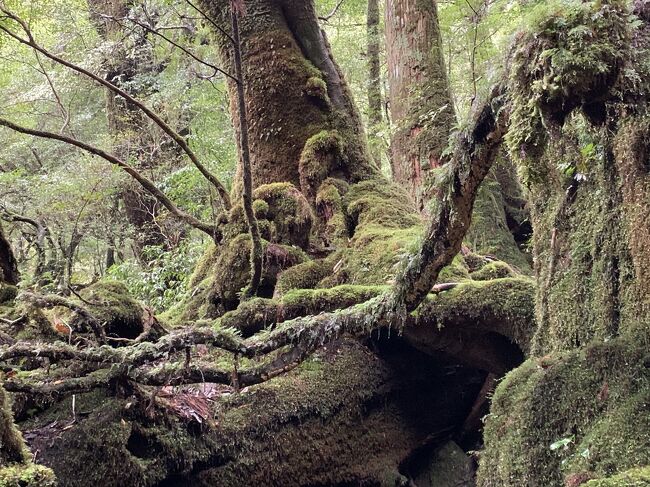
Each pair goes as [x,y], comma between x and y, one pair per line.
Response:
[332,13]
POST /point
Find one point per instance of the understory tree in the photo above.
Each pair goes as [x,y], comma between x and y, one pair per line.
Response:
[366,355]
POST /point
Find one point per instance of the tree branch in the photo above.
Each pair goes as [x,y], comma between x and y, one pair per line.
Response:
[211,230]
[175,136]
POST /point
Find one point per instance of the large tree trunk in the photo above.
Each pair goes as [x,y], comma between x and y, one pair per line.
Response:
[587,385]
[296,97]
[420,102]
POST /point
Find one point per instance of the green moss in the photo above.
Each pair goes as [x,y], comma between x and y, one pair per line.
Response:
[489,233]
[112,305]
[257,314]
[317,88]
[260,208]
[572,53]
[593,401]
[503,306]
[588,234]
[27,475]
[329,207]
[321,154]
[305,276]
[455,272]
[493,270]
[288,211]
[637,477]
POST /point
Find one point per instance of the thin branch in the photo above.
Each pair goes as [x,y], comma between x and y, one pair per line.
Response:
[173,43]
[175,136]
[211,230]
[209,19]
[247,193]
[332,13]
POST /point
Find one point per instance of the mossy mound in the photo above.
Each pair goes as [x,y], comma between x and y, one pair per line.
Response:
[112,305]
[567,413]
[493,270]
[288,212]
[232,268]
[637,477]
[503,306]
[27,475]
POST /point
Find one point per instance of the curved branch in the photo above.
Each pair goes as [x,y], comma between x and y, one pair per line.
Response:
[175,136]
[211,230]
[475,152]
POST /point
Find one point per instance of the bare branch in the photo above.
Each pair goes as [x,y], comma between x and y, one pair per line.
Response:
[175,136]
[211,230]
[332,13]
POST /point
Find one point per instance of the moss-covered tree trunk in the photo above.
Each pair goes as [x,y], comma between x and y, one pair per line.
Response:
[305,126]
[577,411]
[420,102]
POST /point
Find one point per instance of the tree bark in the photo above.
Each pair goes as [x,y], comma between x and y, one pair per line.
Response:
[374,81]
[8,264]
[420,102]
[295,92]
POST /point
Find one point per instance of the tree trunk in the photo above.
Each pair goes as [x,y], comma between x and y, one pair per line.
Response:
[420,102]
[586,385]
[300,107]
[374,81]
[126,123]
[8,265]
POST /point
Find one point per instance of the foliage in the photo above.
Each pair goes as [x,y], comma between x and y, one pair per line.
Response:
[163,281]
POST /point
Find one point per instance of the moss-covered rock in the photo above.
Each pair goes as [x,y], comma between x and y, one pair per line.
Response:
[112,305]
[567,413]
[493,270]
